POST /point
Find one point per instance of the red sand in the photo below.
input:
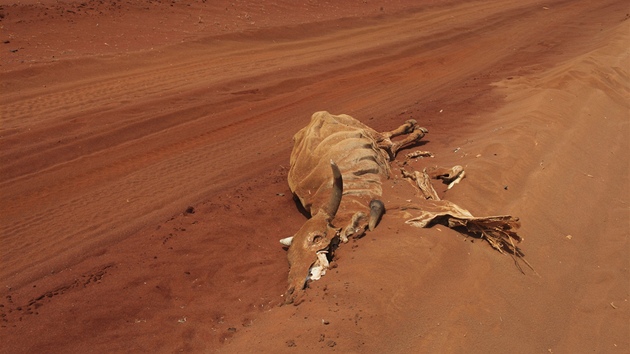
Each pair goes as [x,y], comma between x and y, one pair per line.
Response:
[118,116]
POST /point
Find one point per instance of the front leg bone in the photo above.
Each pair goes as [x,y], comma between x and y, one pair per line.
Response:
[410,140]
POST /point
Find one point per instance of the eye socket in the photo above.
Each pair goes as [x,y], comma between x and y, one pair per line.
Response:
[316,237]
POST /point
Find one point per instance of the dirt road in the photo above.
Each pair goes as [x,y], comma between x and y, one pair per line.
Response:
[143,180]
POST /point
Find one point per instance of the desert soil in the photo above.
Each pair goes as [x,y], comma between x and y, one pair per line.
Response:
[144,148]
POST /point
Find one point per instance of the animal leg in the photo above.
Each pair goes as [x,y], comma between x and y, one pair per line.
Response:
[354,228]
[410,140]
[410,127]
[406,128]
[360,222]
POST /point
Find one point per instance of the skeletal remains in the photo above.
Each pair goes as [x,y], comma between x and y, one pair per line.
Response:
[337,168]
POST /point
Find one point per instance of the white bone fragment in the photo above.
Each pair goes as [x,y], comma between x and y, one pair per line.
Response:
[320,266]
[457,180]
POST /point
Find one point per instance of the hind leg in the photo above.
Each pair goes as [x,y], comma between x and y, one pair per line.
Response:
[410,140]
[406,128]
[410,127]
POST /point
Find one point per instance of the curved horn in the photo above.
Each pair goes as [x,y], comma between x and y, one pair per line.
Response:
[377,209]
[337,191]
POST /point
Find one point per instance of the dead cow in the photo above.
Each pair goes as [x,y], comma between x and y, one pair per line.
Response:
[337,168]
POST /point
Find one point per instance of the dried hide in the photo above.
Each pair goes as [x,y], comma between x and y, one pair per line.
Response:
[499,231]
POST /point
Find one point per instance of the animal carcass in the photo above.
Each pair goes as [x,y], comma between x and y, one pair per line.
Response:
[337,168]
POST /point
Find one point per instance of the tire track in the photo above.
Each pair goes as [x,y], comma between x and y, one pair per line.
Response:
[176,80]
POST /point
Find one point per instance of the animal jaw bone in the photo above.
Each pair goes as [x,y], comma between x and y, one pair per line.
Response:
[320,266]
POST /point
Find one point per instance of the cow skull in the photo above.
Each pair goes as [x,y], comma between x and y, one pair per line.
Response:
[309,246]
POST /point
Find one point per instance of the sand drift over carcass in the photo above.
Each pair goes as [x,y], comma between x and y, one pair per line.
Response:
[338,165]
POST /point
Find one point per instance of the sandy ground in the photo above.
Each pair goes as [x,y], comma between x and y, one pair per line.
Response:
[144,148]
